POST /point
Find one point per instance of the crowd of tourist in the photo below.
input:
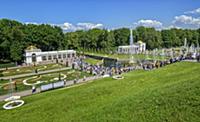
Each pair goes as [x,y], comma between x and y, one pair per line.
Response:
[110,71]
[99,69]
[148,65]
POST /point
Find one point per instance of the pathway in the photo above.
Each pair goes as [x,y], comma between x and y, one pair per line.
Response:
[22,94]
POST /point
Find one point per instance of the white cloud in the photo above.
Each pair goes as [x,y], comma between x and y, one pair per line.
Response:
[187,20]
[71,27]
[171,26]
[196,11]
[149,23]
[79,26]
[87,26]
[34,23]
[67,26]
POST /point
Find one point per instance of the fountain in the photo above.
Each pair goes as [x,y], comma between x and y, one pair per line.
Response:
[185,43]
[198,48]
[118,77]
[131,47]
[154,56]
[180,52]
[147,55]
[163,54]
[12,101]
[186,48]
[171,53]
[192,48]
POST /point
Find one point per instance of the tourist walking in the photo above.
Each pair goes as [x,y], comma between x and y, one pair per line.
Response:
[33,89]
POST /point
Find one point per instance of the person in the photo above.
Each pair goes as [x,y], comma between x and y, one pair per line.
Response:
[75,81]
[33,89]
[15,85]
[67,64]
[171,60]
[84,78]
[198,58]
[73,66]
[36,70]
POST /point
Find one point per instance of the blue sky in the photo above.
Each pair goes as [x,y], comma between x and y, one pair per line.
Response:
[107,13]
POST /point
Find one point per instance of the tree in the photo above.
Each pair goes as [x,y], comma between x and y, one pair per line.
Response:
[121,36]
[72,40]
[16,48]
[150,36]
[16,52]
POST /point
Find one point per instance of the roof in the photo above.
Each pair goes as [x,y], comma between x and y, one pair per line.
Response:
[140,42]
[31,47]
[128,46]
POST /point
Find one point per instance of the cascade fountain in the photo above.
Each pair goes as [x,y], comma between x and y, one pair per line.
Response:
[154,55]
[147,54]
[186,47]
[185,43]
[163,54]
[131,47]
[171,53]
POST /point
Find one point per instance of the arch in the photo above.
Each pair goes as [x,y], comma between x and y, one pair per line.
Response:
[34,58]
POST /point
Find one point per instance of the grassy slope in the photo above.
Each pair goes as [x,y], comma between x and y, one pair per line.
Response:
[171,93]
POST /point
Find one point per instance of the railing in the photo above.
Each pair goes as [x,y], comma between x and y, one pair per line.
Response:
[60,84]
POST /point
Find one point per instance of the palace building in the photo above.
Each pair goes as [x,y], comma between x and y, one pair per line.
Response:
[136,48]
[35,55]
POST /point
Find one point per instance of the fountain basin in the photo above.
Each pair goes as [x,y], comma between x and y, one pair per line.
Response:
[118,77]
[13,104]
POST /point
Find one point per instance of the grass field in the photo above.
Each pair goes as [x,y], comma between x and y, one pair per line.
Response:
[168,94]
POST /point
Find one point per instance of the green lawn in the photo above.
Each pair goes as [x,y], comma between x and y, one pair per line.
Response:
[168,94]
[127,56]
[92,61]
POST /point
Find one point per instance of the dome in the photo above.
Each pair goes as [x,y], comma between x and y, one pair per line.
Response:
[140,42]
[31,47]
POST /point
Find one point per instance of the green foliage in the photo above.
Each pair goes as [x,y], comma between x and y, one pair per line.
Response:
[15,37]
[121,36]
[150,36]
[16,51]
